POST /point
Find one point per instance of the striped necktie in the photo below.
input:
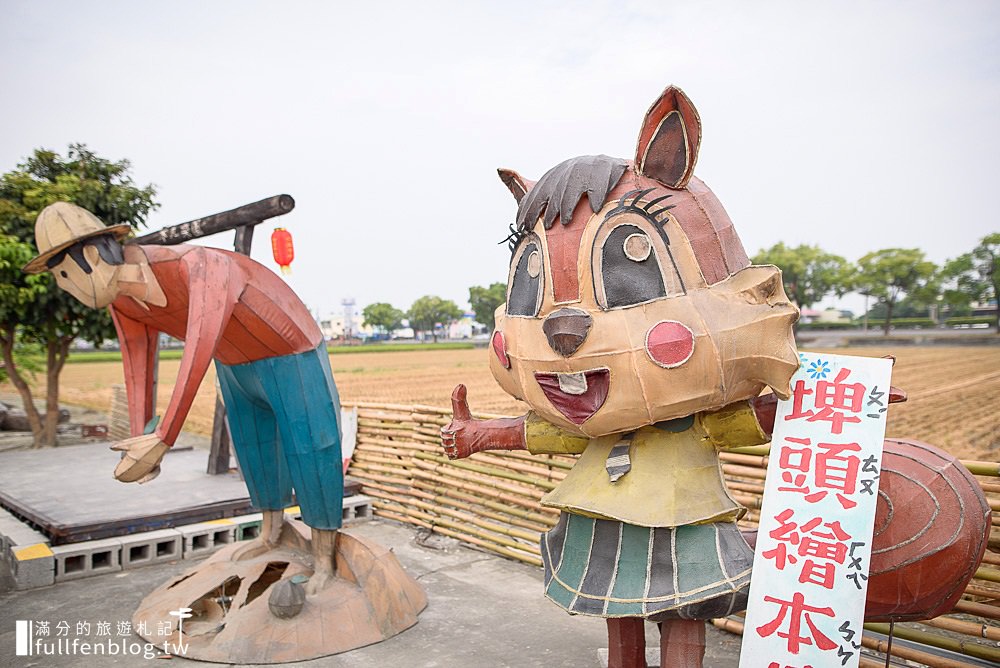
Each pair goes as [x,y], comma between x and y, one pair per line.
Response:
[618,462]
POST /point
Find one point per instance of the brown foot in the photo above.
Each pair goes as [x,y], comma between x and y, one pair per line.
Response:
[324,543]
[682,643]
[270,534]
[627,643]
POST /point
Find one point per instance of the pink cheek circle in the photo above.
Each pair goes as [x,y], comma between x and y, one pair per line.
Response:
[500,348]
[669,343]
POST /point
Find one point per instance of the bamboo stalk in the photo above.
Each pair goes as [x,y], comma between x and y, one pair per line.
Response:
[386,450]
[517,482]
[369,424]
[744,471]
[373,440]
[472,486]
[490,481]
[927,659]
[554,461]
[541,471]
[748,501]
[401,435]
[991,559]
[476,509]
[477,479]
[477,504]
[382,512]
[967,628]
[501,541]
[528,559]
[973,590]
[746,460]
[968,648]
[758,450]
[488,470]
[991,469]
[978,609]
[472,519]
[378,458]
[745,487]
[376,467]
[988,574]
[361,474]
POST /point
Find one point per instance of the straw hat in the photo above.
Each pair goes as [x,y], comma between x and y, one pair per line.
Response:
[61,225]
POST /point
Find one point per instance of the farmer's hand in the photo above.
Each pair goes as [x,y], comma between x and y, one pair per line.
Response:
[458,437]
[141,457]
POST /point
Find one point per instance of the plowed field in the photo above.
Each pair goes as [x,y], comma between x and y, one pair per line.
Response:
[954,393]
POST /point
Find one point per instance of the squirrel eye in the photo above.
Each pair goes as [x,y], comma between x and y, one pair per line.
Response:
[534,264]
[637,247]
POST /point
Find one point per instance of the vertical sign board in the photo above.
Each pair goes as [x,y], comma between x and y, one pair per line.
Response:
[810,569]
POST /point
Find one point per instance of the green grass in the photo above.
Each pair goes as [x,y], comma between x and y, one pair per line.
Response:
[399,347]
[88,356]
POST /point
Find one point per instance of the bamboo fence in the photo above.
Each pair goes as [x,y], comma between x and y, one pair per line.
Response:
[493,501]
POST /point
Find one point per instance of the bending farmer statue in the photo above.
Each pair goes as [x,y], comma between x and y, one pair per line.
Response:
[269,354]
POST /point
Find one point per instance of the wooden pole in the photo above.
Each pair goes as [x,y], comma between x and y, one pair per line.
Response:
[246,215]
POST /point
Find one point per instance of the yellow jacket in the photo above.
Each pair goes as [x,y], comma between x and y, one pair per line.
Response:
[676,475]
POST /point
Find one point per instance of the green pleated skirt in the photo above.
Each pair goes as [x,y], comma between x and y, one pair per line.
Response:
[606,568]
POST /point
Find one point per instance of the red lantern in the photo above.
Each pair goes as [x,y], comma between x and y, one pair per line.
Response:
[284,251]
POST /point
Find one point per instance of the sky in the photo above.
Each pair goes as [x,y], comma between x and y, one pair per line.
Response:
[855,126]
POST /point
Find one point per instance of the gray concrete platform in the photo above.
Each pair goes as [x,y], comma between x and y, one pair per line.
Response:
[484,612]
[70,494]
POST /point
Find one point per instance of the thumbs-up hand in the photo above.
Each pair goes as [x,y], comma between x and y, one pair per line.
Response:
[455,436]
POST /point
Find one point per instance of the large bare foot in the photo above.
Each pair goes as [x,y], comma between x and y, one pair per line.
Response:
[324,543]
[270,534]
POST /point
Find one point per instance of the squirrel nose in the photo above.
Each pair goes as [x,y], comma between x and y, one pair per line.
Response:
[567,329]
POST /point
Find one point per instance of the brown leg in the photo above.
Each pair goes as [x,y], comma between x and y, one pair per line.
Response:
[324,545]
[626,643]
[270,536]
[682,643]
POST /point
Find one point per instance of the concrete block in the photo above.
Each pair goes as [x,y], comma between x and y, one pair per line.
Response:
[24,535]
[16,532]
[152,547]
[92,557]
[32,566]
[248,527]
[206,537]
[357,508]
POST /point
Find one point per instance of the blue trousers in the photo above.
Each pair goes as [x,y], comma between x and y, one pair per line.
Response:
[284,417]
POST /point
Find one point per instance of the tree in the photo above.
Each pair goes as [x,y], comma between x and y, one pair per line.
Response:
[32,308]
[382,316]
[808,272]
[484,302]
[974,276]
[890,274]
[429,311]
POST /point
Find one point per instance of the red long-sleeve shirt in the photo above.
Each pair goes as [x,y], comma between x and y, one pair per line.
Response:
[223,305]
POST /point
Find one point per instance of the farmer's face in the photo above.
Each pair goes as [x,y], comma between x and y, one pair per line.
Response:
[96,288]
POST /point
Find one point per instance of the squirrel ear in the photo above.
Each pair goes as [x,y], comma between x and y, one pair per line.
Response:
[669,139]
[517,184]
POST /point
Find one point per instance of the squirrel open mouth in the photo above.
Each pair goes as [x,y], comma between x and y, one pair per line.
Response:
[576,395]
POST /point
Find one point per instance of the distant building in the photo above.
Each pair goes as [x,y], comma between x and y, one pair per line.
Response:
[465,327]
[336,326]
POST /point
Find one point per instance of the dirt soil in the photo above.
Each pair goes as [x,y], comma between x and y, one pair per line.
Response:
[953,391]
